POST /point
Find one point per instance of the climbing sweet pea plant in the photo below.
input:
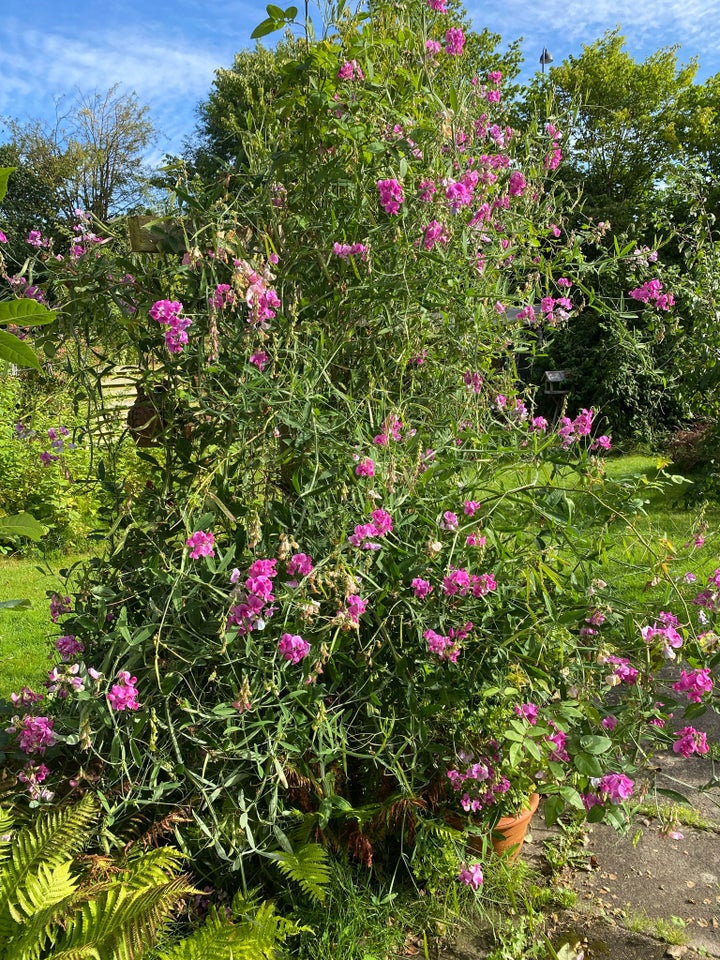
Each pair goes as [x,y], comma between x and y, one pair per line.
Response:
[363,584]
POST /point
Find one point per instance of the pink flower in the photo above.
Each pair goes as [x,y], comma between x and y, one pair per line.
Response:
[123,695]
[201,544]
[35,734]
[689,741]
[694,683]
[293,648]
[59,606]
[538,425]
[475,540]
[356,606]
[529,711]
[421,587]
[470,507]
[439,6]
[473,380]
[391,195]
[3,238]
[472,876]
[350,71]
[516,184]
[35,239]
[432,47]
[449,521]
[615,787]
[382,522]
[454,41]
[260,359]
[168,312]
[300,564]
[435,232]
[224,296]
[365,468]
[609,723]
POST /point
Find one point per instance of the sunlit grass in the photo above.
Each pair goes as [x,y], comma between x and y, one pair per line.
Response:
[25,645]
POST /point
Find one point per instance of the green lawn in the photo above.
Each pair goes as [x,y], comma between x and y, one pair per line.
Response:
[25,647]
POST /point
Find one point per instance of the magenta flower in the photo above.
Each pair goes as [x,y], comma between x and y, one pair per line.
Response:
[3,238]
[517,184]
[35,734]
[59,606]
[382,522]
[449,521]
[391,195]
[123,694]
[529,711]
[689,741]
[356,606]
[259,359]
[470,507]
[472,876]
[694,683]
[432,47]
[615,787]
[454,41]
[167,312]
[68,647]
[299,564]
[365,468]
[421,587]
[293,648]
[201,544]
[350,71]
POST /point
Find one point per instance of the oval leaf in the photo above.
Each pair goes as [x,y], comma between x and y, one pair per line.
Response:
[16,351]
[25,312]
[264,28]
[21,525]
[4,175]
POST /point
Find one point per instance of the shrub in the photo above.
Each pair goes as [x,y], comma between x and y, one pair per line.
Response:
[363,570]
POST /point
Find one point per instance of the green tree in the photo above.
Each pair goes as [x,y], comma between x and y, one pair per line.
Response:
[629,122]
[92,156]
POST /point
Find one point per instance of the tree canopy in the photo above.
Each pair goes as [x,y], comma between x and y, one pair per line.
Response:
[92,156]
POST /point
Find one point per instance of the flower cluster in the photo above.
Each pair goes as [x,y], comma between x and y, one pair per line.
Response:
[651,292]
[347,250]
[364,534]
[123,694]
[391,195]
[168,313]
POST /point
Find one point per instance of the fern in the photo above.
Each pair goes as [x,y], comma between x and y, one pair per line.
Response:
[252,938]
[308,867]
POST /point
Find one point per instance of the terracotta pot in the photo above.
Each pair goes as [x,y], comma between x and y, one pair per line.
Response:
[510,832]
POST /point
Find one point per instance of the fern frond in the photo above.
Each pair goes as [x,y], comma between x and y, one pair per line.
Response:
[51,840]
[6,828]
[308,867]
[146,868]
[255,938]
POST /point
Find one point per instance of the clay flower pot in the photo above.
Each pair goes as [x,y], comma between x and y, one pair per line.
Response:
[510,832]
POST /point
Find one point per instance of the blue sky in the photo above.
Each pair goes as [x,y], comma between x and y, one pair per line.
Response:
[167,50]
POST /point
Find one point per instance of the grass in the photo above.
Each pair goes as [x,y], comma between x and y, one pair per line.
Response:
[25,633]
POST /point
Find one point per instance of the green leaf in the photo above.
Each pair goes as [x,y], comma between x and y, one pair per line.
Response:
[595,744]
[4,177]
[673,795]
[15,604]
[588,765]
[291,13]
[17,352]
[275,13]
[264,28]
[25,312]
[554,806]
[21,525]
